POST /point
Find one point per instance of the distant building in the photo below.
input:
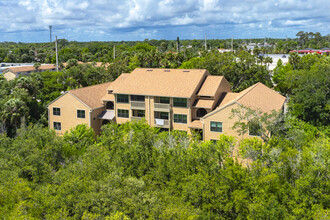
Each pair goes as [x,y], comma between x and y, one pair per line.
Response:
[226,50]
[11,73]
[189,100]
[310,50]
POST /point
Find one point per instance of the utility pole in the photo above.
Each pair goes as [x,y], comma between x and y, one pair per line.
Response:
[177,45]
[56,53]
[114,51]
[50,33]
[232,46]
[205,42]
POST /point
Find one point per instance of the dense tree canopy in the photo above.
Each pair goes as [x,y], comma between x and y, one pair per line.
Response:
[132,170]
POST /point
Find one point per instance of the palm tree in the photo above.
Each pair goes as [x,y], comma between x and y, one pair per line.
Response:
[268,60]
[294,59]
[14,110]
[36,66]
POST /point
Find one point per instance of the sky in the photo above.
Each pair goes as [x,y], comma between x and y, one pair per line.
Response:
[130,20]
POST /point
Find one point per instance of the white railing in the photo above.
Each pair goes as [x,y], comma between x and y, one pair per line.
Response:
[136,118]
[162,107]
[139,105]
[162,123]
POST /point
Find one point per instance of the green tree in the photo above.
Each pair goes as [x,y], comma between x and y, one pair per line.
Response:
[13,113]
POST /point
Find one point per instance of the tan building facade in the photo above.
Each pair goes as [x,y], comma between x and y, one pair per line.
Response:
[186,100]
[79,106]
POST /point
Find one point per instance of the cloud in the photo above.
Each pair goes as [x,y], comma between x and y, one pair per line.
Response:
[94,19]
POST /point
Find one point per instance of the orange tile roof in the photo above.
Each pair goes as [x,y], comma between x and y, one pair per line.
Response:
[261,97]
[255,97]
[196,124]
[118,81]
[202,103]
[91,95]
[108,97]
[230,96]
[210,86]
[17,69]
[161,82]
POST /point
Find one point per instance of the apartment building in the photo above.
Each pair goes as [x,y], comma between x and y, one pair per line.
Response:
[11,73]
[182,99]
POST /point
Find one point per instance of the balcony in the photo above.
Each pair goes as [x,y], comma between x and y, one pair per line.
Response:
[162,123]
[138,105]
[161,107]
[136,118]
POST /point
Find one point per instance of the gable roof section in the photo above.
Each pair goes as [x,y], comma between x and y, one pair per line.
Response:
[161,82]
[210,86]
[91,95]
[255,97]
[261,97]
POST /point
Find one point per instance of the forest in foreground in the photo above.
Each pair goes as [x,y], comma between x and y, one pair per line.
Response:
[132,171]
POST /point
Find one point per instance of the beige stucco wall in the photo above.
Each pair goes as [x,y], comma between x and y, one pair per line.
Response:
[227,123]
[124,106]
[182,111]
[150,110]
[68,118]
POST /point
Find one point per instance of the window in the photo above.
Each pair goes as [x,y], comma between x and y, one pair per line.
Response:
[216,126]
[180,118]
[164,100]
[254,129]
[137,98]
[122,98]
[138,113]
[57,126]
[161,115]
[81,114]
[214,141]
[56,111]
[122,113]
[179,102]
[164,115]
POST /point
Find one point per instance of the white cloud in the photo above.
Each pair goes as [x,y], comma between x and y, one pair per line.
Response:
[154,16]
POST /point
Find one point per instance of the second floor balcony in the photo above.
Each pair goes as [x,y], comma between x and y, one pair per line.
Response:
[138,105]
[162,107]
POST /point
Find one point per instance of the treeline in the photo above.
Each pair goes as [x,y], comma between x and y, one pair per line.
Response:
[304,80]
[104,51]
[133,172]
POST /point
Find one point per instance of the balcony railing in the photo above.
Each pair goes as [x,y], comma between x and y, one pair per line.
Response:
[161,107]
[163,123]
[136,118]
[138,105]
